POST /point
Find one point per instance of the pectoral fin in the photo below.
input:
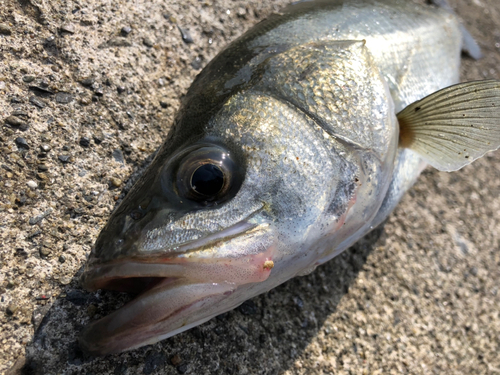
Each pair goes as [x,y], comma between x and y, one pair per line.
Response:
[454,126]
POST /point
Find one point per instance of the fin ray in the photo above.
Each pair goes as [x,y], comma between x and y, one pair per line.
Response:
[454,126]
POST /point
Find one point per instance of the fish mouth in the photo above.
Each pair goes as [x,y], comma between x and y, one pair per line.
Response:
[177,291]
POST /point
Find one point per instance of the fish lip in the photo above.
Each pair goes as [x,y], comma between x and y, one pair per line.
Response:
[140,323]
[99,275]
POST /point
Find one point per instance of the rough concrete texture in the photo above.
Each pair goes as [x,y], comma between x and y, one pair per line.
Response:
[88,90]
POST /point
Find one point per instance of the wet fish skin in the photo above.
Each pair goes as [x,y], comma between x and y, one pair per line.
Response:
[307,120]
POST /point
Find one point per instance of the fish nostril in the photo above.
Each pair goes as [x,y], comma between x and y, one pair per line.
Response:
[136,215]
[144,203]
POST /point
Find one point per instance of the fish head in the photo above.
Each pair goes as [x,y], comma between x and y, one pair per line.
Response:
[196,233]
[185,238]
[239,202]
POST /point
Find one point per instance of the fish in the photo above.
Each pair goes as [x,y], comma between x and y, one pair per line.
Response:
[295,141]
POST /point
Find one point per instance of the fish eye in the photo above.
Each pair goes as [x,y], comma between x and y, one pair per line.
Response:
[206,174]
[207,180]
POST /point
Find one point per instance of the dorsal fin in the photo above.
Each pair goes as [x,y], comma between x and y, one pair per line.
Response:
[454,126]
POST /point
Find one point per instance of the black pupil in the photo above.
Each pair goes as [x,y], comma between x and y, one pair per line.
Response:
[207,180]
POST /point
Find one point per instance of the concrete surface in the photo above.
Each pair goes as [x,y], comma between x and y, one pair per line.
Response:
[88,90]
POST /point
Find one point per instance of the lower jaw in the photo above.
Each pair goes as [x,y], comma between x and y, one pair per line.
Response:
[170,307]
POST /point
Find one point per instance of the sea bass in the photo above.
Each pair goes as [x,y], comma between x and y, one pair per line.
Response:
[294,142]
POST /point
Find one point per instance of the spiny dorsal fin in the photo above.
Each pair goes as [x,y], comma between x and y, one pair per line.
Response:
[454,126]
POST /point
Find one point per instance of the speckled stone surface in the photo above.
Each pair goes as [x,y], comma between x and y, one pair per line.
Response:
[88,90]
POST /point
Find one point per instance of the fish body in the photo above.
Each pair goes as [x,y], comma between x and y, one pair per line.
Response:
[283,154]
